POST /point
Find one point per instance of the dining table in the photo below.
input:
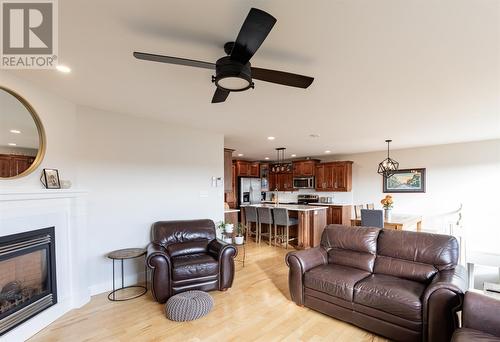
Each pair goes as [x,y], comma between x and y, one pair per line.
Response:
[397,222]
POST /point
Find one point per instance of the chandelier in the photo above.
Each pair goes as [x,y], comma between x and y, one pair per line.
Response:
[280,165]
[388,166]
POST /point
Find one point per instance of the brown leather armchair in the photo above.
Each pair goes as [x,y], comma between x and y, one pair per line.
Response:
[480,319]
[403,285]
[186,255]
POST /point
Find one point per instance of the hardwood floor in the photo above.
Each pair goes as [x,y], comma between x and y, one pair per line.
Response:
[256,308]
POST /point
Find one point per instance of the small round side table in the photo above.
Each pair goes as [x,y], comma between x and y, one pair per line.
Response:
[123,254]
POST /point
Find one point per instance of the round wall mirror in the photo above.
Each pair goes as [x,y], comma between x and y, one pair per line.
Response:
[22,138]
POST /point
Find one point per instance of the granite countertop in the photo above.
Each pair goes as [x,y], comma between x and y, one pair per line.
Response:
[332,204]
[291,207]
[226,211]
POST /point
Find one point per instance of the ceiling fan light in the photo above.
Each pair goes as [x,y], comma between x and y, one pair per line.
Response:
[233,83]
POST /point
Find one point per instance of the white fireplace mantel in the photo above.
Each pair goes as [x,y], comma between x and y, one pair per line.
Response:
[66,210]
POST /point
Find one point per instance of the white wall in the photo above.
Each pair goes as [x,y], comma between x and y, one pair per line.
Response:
[58,117]
[136,171]
[467,173]
[139,171]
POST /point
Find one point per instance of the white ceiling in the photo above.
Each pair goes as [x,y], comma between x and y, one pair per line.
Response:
[14,116]
[419,72]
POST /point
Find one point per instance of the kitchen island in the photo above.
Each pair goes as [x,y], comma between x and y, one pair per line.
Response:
[312,222]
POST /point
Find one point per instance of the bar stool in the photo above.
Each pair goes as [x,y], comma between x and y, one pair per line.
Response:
[265,217]
[283,221]
[251,217]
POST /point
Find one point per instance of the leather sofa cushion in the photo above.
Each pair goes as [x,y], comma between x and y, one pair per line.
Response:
[359,260]
[194,266]
[351,246]
[404,269]
[335,280]
[468,335]
[189,247]
[167,232]
[440,251]
[393,295]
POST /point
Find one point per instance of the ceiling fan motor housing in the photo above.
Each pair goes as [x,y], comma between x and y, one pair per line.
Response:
[228,71]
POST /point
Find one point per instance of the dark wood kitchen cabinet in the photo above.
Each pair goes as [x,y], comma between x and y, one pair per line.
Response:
[334,176]
[304,168]
[247,169]
[339,214]
[228,170]
[281,181]
[254,169]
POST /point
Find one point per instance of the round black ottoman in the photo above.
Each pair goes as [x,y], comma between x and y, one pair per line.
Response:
[188,306]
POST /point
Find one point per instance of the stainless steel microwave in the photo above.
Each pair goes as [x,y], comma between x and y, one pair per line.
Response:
[303,182]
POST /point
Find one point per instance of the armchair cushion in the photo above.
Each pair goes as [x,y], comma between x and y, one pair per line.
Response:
[188,247]
[481,312]
[194,266]
[335,280]
[396,296]
[468,335]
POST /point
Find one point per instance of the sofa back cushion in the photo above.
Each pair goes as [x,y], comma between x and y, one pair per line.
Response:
[351,246]
[414,255]
[167,233]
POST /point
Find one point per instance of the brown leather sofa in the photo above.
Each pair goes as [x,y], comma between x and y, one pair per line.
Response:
[480,319]
[403,285]
[185,255]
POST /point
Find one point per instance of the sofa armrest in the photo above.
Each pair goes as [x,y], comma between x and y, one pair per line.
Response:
[158,260]
[225,253]
[481,312]
[299,262]
[442,299]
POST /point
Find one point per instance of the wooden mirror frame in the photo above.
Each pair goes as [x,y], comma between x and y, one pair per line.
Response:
[41,135]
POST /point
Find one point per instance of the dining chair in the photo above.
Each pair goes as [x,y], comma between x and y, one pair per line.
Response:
[265,216]
[372,218]
[283,222]
[357,210]
[370,206]
[251,217]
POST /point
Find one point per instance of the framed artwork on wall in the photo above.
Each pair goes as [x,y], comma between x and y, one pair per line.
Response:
[407,180]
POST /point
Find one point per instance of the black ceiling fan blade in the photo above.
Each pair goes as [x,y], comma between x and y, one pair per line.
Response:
[220,95]
[173,60]
[253,32]
[281,77]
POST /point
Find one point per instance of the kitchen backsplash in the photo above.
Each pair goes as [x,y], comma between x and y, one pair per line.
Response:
[288,196]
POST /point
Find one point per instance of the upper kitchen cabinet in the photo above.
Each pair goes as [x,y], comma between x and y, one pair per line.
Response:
[254,169]
[247,169]
[304,168]
[334,176]
[228,174]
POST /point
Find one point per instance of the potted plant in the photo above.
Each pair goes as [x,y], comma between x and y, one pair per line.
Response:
[225,235]
[387,203]
[239,238]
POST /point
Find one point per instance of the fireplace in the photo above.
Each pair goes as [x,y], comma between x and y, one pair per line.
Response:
[27,276]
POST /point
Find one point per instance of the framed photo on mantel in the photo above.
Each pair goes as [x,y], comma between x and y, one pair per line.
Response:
[407,180]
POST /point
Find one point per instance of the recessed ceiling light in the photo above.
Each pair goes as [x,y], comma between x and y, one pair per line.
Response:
[240,154]
[63,68]
[328,151]
[314,135]
[15,131]
[294,155]
[12,144]
[271,138]
[266,158]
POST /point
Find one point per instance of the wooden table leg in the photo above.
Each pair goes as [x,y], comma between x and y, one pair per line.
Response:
[419,226]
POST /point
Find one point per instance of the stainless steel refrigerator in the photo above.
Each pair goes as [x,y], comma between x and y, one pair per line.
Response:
[249,191]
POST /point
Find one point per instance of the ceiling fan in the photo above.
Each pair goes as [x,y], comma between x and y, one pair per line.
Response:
[234,71]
